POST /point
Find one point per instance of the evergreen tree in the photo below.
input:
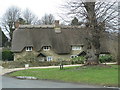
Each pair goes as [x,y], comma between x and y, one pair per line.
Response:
[3,39]
[75,21]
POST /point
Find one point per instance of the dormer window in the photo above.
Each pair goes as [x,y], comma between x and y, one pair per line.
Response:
[46,48]
[28,48]
[76,48]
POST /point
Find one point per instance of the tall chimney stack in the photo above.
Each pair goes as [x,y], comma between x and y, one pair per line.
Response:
[57,27]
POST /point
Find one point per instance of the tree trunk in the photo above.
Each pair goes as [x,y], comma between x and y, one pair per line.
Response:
[93,41]
[118,56]
[92,54]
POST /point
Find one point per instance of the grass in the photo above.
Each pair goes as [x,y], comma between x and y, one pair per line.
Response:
[97,75]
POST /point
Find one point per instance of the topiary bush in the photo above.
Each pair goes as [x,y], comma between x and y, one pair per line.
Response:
[7,55]
[105,58]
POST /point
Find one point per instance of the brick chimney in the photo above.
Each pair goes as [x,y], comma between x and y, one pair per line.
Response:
[57,26]
[56,23]
[17,24]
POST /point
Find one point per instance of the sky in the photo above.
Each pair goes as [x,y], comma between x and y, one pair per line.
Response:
[38,7]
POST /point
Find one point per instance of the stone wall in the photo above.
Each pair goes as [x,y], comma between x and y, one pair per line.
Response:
[32,55]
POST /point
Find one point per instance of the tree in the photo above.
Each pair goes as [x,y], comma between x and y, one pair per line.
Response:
[0,44]
[75,21]
[21,21]
[11,15]
[3,39]
[98,17]
[118,57]
[47,19]
[29,17]
[5,42]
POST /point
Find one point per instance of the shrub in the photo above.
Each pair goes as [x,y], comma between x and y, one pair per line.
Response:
[105,58]
[7,55]
[32,63]
[78,60]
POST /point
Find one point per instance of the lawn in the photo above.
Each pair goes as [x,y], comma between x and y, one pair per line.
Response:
[95,75]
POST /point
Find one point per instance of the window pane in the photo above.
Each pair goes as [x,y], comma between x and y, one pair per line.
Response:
[46,48]
[49,58]
[76,47]
[28,48]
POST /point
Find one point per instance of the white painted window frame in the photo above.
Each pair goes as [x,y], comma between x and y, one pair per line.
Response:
[76,48]
[29,48]
[49,58]
[46,48]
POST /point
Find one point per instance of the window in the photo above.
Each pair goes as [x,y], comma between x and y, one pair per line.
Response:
[46,48]
[76,47]
[28,48]
[49,58]
[73,56]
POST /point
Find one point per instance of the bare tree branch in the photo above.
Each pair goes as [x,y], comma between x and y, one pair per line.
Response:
[47,19]
[29,17]
[9,18]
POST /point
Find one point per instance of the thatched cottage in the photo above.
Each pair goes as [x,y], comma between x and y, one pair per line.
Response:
[48,42]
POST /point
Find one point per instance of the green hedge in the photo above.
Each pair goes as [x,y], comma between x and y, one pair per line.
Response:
[102,59]
[78,60]
[7,55]
[105,58]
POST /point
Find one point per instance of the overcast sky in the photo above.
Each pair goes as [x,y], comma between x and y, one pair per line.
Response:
[38,7]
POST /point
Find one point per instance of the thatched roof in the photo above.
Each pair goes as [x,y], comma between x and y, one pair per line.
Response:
[39,36]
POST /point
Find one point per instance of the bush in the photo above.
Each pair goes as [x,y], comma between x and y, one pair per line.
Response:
[105,58]
[78,60]
[7,55]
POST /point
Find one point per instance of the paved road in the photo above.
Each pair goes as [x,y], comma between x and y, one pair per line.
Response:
[8,82]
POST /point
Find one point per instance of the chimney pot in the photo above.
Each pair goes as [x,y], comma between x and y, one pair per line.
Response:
[17,24]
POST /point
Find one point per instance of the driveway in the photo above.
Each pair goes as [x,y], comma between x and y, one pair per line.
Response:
[8,82]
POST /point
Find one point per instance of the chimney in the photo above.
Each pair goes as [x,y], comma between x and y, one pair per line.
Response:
[17,24]
[57,27]
[56,23]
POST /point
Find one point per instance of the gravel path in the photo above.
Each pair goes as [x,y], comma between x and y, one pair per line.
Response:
[5,70]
